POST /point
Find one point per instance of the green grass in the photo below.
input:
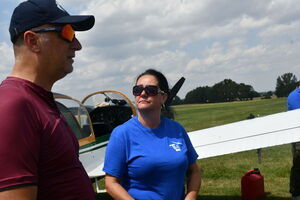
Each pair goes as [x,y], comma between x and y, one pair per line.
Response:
[199,116]
[221,176]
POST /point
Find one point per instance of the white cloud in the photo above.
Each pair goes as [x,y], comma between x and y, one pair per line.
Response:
[205,41]
[250,22]
[282,31]
[6,59]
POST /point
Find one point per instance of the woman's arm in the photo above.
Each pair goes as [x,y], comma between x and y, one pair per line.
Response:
[115,189]
[193,182]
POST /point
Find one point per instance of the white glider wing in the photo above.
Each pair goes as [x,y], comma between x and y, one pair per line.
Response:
[272,130]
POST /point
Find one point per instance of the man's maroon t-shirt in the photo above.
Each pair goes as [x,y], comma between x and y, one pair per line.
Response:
[37,147]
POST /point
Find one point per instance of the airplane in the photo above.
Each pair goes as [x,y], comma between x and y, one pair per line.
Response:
[94,118]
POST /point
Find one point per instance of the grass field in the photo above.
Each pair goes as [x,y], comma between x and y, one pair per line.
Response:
[221,175]
[199,116]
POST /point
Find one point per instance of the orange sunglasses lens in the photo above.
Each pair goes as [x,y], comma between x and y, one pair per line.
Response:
[68,32]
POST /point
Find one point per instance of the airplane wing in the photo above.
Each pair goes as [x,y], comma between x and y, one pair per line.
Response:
[92,158]
[272,130]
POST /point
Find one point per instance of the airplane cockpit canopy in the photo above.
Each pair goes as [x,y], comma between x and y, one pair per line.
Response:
[77,117]
[93,119]
[107,110]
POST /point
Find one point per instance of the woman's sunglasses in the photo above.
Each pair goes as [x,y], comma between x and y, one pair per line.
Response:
[66,32]
[151,90]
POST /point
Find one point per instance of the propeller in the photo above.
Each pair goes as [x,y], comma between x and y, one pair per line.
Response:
[174,91]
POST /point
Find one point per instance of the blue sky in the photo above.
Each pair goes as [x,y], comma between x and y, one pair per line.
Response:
[5,12]
[205,41]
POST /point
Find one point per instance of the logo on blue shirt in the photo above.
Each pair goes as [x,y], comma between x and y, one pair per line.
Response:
[176,146]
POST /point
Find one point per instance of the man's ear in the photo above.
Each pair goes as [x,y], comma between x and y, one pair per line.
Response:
[31,40]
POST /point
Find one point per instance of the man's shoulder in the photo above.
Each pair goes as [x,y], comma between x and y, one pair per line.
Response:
[13,95]
[10,86]
[293,100]
[295,94]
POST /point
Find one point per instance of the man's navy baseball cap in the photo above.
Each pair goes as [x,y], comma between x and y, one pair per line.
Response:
[33,13]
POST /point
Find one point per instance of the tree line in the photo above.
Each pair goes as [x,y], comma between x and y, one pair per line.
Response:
[228,90]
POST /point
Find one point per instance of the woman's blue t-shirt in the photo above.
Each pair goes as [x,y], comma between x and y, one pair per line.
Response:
[151,163]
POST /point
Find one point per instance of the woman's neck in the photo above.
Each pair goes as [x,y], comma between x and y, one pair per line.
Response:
[149,119]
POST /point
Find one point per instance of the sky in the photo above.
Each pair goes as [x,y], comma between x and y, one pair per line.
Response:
[207,41]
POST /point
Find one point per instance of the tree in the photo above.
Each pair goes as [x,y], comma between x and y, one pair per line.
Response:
[267,95]
[198,95]
[246,92]
[285,84]
[224,91]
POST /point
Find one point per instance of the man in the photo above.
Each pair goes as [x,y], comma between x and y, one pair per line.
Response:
[293,102]
[38,151]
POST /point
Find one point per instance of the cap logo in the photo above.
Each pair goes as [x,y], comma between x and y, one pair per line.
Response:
[60,7]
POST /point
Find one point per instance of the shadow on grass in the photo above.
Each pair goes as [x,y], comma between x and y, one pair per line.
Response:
[105,196]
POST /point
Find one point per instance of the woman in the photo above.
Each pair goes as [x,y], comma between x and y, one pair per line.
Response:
[149,156]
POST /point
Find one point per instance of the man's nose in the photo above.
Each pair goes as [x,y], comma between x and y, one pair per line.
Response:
[75,44]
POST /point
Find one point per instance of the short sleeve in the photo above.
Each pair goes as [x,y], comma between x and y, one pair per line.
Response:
[115,155]
[191,152]
[19,143]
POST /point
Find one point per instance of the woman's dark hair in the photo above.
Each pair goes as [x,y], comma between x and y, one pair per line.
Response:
[164,86]
[162,81]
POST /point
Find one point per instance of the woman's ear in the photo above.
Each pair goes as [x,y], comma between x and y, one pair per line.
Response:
[165,97]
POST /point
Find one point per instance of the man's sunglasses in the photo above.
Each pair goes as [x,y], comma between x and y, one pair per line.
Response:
[151,90]
[66,32]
